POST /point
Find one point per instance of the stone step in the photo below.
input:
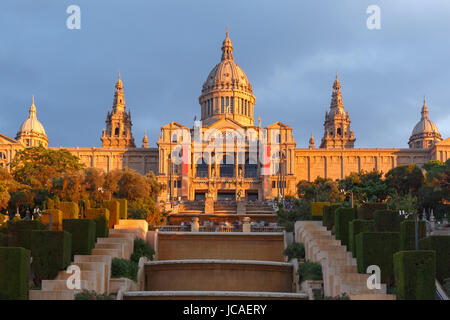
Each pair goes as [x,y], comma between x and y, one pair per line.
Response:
[114,253]
[138,232]
[123,235]
[100,268]
[52,295]
[107,260]
[357,288]
[91,277]
[116,246]
[368,296]
[127,243]
[124,283]
[61,285]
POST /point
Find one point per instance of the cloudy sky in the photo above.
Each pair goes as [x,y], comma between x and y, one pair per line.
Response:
[164,49]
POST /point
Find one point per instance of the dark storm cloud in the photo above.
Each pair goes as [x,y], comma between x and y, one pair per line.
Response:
[290,51]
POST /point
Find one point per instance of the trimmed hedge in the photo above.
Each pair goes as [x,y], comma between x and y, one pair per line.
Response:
[309,271]
[123,208]
[355,227]
[328,215]
[415,273]
[408,234]
[101,218]
[377,248]
[57,217]
[295,250]
[18,233]
[124,268]
[387,221]
[342,217]
[317,208]
[70,210]
[114,212]
[14,273]
[83,235]
[440,244]
[366,211]
[51,252]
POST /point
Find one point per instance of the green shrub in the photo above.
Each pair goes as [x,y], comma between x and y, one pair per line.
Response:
[14,273]
[70,210]
[317,208]
[377,248]
[18,233]
[57,216]
[295,251]
[440,244]
[123,208]
[309,271]
[114,212]
[408,234]
[142,249]
[355,227]
[92,295]
[342,217]
[415,273]
[387,221]
[366,211]
[124,268]
[51,252]
[328,215]
[101,218]
[83,234]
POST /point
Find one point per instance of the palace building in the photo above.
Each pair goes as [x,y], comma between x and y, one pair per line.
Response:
[226,155]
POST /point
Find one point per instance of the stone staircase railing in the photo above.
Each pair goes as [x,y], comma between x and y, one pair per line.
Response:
[95,269]
[339,268]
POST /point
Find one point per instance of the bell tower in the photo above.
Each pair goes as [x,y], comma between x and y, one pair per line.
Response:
[118,123]
[337,133]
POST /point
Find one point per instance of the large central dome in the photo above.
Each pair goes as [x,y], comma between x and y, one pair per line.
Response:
[227,93]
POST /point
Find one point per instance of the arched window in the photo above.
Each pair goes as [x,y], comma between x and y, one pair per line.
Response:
[116,131]
[250,169]
[227,167]
[202,168]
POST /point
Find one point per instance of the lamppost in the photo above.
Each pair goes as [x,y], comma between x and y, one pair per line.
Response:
[347,192]
[416,226]
[281,175]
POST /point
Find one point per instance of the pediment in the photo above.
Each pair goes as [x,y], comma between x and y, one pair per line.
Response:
[278,125]
[174,125]
[7,140]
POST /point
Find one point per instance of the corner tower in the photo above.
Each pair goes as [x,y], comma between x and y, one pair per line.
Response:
[337,133]
[118,123]
[425,132]
[32,133]
[227,93]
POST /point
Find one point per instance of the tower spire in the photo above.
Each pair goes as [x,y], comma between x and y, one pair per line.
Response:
[424,109]
[227,48]
[336,96]
[312,142]
[32,110]
[145,140]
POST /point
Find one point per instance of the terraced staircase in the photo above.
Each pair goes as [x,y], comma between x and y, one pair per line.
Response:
[338,266]
[95,269]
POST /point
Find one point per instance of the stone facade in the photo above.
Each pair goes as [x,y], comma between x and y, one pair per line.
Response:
[253,162]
